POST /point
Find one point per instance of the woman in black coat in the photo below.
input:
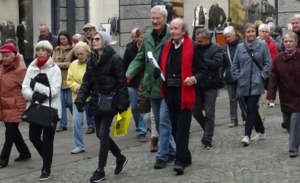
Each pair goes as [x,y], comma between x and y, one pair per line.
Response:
[104,75]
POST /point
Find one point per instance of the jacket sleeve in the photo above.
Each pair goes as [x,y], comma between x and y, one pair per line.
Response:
[122,91]
[201,66]
[273,51]
[71,80]
[272,86]
[216,61]
[55,83]
[26,90]
[235,68]
[223,67]
[127,59]
[267,62]
[87,84]
[137,64]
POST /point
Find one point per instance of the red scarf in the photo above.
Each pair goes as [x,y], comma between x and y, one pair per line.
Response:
[187,92]
[41,63]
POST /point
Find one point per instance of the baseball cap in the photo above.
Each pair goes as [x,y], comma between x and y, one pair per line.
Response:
[9,48]
[89,25]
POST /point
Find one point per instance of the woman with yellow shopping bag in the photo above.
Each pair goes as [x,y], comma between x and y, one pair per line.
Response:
[105,82]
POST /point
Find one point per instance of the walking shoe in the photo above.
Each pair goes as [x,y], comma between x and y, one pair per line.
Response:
[44,176]
[121,163]
[258,136]
[23,157]
[78,150]
[160,164]
[154,144]
[272,105]
[142,138]
[245,140]
[61,129]
[293,154]
[179,169]
[171,158]
[90,130]
[207,145]
[283,125]
[3,164]
[97,176]
[232,124]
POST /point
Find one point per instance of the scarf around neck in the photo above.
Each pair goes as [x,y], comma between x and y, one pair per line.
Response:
[41,63]
[187,92]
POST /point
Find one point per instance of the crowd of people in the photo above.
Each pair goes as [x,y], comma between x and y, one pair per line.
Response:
[85,74]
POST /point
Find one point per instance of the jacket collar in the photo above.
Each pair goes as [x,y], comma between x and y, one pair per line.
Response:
[108,51]
[50,63]
[151,40]
[293,57]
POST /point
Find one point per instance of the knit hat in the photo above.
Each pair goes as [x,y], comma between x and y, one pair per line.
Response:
[9,48]
[82,45]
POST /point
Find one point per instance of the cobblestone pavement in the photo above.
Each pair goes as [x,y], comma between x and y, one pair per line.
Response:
[264,161]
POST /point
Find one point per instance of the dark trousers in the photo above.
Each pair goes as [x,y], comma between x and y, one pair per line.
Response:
[43,144]
[103,123]
[181,124]
[13,135]
[253,117]
[206,101]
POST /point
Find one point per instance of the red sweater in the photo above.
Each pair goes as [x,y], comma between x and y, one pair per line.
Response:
[272,48]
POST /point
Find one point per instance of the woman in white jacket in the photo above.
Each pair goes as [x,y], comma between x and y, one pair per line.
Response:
[43,64]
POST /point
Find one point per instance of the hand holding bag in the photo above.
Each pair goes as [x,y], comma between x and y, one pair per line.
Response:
[266,81]
[41,115]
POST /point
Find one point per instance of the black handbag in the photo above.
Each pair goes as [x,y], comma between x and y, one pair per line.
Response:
[266,81]
[105,101]
[41,115]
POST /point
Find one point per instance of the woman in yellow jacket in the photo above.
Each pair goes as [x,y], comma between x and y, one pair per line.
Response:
[74,80]
[62,56]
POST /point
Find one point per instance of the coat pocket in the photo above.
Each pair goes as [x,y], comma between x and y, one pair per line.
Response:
[8,103]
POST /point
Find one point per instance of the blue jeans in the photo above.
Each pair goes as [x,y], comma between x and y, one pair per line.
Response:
[66,102]
[163,125]
[78,122]
[140,124]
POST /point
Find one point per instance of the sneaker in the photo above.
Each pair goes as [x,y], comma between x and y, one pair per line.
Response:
[171,158]
[179,169]
[272,105]
[44,176]
[142,138]
[258,136]
[23,157]
[293,154]
[232,124]
[97,176]
[78,150]
[245,140]
[160,164]
[120,164]
[3,164]
[207,145]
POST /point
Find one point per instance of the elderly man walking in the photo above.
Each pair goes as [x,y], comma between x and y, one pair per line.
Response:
[153,41]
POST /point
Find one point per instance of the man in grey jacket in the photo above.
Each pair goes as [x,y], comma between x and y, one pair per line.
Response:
[206,94]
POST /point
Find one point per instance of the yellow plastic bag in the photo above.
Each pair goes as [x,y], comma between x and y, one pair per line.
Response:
[121,124]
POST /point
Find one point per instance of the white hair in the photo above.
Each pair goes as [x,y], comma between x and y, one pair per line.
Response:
[160,9]
[229,30]
[264,26]
[271,25]
[295,16]
[44,44]
[77,37]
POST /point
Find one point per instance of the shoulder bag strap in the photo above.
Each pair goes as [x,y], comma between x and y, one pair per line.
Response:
[252,57]
[229,55]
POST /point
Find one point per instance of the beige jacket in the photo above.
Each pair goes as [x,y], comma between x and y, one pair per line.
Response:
[62,56]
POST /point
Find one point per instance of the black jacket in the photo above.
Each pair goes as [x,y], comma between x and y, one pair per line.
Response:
[130,53]
[226,68]
[213,56]
[110,76]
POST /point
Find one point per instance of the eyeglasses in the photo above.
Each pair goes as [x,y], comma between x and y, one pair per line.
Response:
[95,39]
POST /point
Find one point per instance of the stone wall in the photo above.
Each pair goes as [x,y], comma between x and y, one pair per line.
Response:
[286,8]
[133,13]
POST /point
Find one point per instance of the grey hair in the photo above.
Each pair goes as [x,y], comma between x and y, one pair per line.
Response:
[204,32]
[291,34]
[43,24]
[44,44]
[248,25]
[79,47]
[185,28]
[295,16]
[264,26]
[11,41]
[229,30]
[77,36]
[271,25]
[106,39]
[160,9]
[269,19]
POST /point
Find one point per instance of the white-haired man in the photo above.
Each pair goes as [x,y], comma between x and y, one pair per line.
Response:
[228,54]
[153,41]
[295,21]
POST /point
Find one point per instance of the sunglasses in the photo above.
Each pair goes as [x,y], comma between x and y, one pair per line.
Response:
[95,39]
